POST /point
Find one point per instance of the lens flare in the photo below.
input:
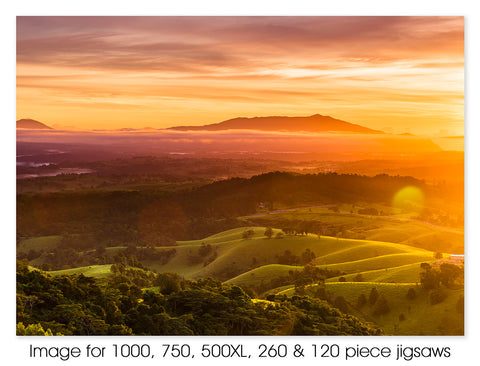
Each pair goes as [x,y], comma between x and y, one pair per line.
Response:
[409,198]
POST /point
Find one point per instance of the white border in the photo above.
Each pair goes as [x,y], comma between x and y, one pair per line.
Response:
[464,349]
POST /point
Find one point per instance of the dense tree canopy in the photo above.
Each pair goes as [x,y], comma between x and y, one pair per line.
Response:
[80,305]
[157,218]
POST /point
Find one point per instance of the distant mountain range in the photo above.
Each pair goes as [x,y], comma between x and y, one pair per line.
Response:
[32,124]
[315,123]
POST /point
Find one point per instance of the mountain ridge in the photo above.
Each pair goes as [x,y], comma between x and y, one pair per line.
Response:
[314,123]
[32,124]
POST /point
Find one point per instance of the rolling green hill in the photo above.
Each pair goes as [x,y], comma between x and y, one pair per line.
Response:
[419,316]
[237,256]
[391,268]
[98,271]
[395,229]
[406,273]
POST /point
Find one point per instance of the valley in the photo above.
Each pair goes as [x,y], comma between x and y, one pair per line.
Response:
[272,246]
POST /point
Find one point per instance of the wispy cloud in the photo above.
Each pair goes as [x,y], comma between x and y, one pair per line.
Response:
[214,68]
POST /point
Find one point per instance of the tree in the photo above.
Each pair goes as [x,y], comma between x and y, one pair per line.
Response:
[425,266]
[313,273]
[411,294]
[372,298]
[32,329]
[268,232]
[368,211]
[248,234]
[321,292]
[270,297]
[382,306]
[288,230]
[299,288]
[205,250]
[161,222]
[341,304]
[460,306]
[361,301]
[449,274]
[429,278]
[119,329]
[437,296]
[307,256]
[169,283]
[358,278]
[288,258]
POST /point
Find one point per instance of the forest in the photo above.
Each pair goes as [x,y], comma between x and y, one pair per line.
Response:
[114,214]
[79,305]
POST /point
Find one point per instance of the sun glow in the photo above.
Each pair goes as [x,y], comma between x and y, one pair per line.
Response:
[409,198]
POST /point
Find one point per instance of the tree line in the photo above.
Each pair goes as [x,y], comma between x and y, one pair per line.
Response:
[151,217]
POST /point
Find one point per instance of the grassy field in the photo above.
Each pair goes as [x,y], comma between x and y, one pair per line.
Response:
[257,257]
[392,268]
[236,255]
[39,243]
[98,271]
[262,274]
[406,273]
[403,273]
[367,249]
[419,316]
[381,262]
[396,228]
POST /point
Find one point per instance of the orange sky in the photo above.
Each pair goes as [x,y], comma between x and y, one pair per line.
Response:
[397,74]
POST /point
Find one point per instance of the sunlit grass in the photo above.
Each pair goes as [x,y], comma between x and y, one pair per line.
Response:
[99,271]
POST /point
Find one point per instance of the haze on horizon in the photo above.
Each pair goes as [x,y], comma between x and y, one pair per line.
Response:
[397,74]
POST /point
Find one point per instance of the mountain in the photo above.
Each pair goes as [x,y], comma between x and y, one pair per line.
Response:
[32,124]
[315,123]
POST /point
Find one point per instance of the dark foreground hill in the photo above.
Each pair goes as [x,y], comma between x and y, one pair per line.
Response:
[79,305]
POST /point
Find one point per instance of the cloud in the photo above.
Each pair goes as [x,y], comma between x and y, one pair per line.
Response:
[203,44]
[234,66]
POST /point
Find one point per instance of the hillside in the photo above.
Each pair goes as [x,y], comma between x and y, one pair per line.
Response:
[315,123]
[415,316]
[98,271]
[230,256]
[264,266]
[32,124]
[393,228]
